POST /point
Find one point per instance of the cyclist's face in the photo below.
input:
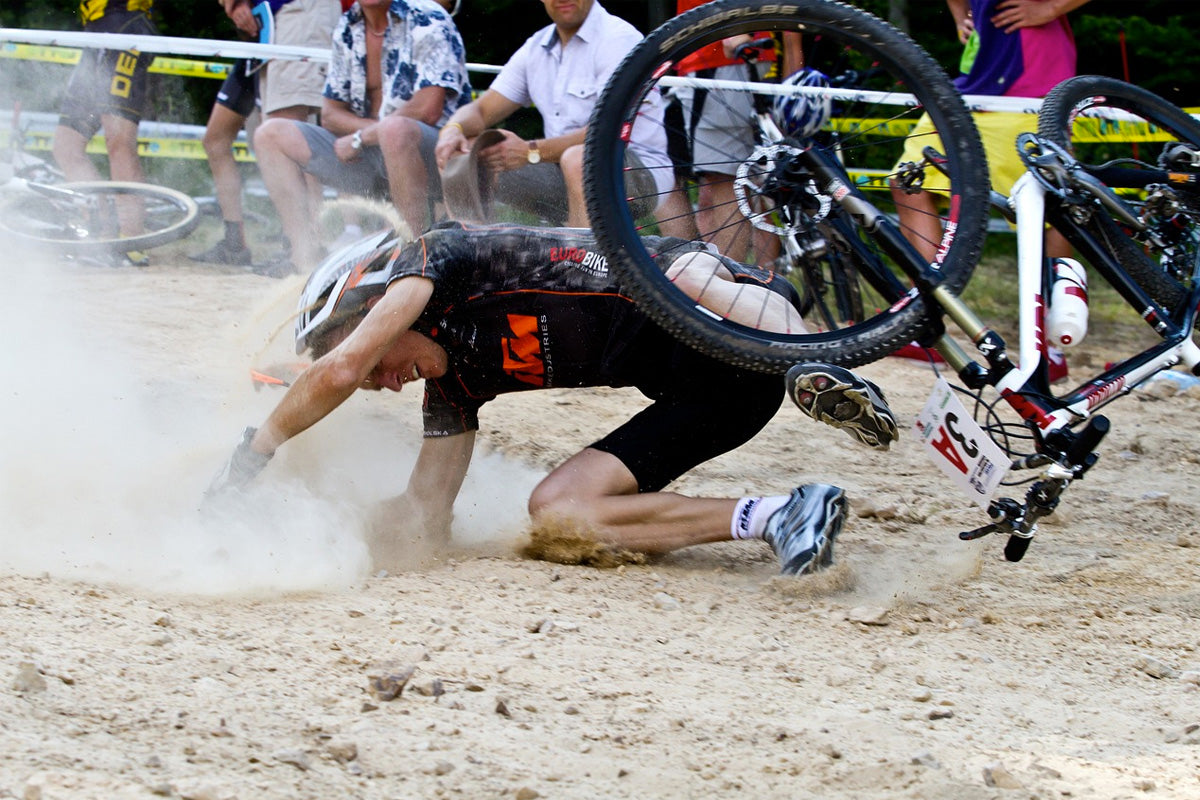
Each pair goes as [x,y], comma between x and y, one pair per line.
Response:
[413,357]
[568,14]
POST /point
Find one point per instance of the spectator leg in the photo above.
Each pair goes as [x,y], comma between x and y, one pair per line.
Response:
[282,153]
[124,164]
[219,136]
[408,177]
[919,220]
[70,154]
[571,163]
[720,221]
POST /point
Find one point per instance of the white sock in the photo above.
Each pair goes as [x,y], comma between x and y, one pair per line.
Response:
[751,515]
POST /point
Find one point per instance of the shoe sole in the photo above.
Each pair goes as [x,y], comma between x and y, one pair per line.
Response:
[837,397]
[834,513]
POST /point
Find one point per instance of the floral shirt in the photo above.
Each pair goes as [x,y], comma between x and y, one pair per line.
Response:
[421,48]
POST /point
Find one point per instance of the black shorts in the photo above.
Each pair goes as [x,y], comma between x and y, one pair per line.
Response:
[702,408]
[239,90]
[108,81]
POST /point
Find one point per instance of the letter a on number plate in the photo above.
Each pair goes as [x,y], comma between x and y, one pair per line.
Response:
[959,446]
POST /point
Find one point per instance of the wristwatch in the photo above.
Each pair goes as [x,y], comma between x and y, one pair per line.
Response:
[535,155]
[356,140]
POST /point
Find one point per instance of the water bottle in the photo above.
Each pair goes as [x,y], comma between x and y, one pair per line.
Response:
[1067,317]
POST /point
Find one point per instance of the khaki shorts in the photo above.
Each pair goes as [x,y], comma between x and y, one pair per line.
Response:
[997,129]
[303,23]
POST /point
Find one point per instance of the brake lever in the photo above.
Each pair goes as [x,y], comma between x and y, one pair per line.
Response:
[1010,515]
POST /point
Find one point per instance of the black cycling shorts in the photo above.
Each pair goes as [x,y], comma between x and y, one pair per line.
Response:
[108,81]
[239,90]
[702,408]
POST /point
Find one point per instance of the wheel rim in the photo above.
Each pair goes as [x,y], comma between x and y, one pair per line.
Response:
[777,211]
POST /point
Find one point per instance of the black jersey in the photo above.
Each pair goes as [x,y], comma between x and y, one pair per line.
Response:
[520,308]
[92,10]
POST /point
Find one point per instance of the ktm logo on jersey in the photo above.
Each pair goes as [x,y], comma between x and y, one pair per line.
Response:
[523,358]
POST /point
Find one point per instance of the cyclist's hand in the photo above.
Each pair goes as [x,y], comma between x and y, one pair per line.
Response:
[239,470]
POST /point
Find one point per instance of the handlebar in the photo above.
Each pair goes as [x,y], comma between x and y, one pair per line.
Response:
[1020,520]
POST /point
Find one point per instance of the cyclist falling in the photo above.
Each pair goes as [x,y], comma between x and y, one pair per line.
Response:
[476,312]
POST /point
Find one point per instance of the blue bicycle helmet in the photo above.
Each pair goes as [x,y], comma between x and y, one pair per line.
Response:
[802,115]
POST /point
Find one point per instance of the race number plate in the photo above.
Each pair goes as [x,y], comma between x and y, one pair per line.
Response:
[959,446]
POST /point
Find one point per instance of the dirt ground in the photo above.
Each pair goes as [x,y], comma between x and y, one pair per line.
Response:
[147,650]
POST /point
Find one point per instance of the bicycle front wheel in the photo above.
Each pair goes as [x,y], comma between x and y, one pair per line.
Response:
[846,177]
[1132,138]
[82,218]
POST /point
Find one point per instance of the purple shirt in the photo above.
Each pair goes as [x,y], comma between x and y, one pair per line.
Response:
[1026,63]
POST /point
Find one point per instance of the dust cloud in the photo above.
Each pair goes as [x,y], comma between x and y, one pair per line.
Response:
[123,399]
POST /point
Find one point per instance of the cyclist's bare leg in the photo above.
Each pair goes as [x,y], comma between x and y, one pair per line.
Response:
[702,277]
[594,488]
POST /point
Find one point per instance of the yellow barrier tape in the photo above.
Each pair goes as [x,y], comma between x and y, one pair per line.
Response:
[188,68]
[893,128]
[191,149]
[174,148]
[1100,130]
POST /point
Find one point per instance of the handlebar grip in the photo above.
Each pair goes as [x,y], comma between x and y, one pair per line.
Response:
[751,51]
[1016,547]
[1127,178]
[1088,438]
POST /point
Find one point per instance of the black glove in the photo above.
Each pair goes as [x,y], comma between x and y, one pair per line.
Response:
[241,468]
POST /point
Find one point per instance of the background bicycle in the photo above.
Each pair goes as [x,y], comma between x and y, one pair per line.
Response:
[81,218]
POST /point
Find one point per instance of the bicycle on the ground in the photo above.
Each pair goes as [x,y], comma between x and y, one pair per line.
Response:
[1133,216]
[83,218]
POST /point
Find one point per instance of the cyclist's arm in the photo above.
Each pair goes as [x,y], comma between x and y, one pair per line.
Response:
[438,476]
[333,378]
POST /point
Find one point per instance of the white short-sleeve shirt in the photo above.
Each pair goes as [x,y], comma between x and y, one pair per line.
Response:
[564,84]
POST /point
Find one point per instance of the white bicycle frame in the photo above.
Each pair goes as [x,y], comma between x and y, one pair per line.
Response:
[1028,203]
